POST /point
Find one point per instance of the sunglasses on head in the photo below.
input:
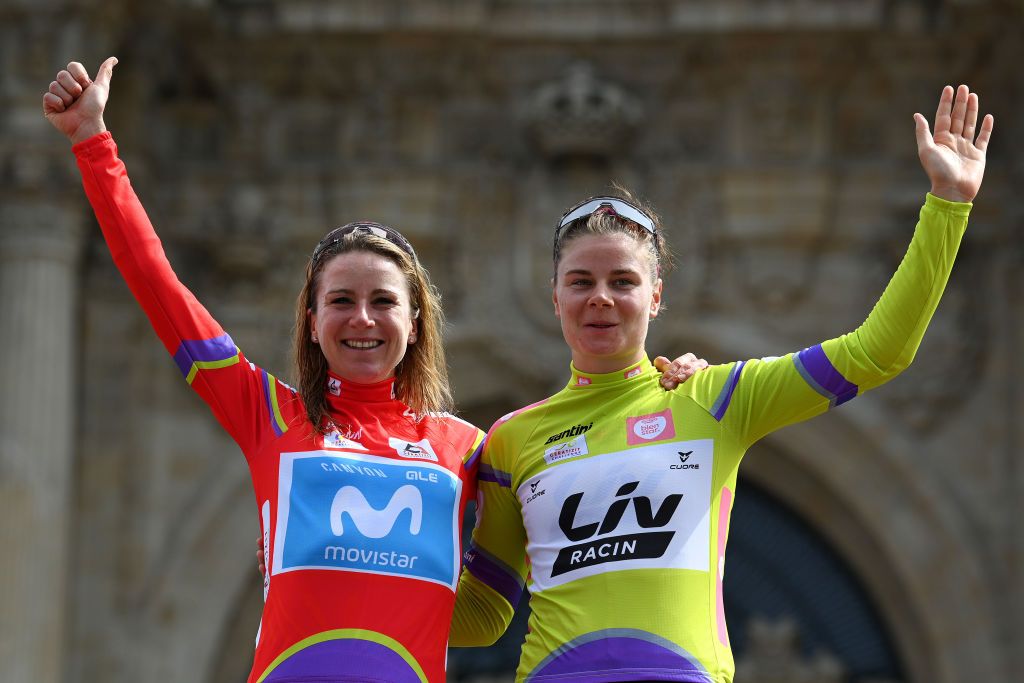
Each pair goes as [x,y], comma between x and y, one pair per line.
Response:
[364,227]
[613,205]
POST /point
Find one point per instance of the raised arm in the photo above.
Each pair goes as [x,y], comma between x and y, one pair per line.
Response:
[759,396]
[245,399]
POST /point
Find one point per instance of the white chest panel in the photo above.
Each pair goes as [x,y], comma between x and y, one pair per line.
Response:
[645,507]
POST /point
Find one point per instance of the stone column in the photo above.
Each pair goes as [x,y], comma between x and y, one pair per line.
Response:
[39,340]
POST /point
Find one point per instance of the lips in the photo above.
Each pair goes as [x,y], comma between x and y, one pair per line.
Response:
[362,344]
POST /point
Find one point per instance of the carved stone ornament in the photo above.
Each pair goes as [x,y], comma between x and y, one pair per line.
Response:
[581,115]
[773,226]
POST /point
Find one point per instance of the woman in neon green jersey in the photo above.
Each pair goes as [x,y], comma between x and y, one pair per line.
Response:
[621,493]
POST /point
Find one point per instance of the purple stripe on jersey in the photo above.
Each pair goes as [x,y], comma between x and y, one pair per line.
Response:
[268,386]
[724,396]
[344,659]
[495,573]
[192,350]
[616,655]
[476,455]
[818,371]
[488,473]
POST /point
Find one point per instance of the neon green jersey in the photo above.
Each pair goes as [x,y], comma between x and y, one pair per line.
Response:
[620,492]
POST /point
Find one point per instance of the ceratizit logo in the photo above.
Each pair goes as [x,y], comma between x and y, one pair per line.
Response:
[569,449]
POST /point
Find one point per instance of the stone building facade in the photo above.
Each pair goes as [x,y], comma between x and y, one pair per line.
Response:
[774,137]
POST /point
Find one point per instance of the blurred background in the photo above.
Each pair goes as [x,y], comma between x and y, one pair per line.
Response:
[879,543]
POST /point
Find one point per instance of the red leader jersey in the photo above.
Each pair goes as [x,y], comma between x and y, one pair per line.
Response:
[361,526]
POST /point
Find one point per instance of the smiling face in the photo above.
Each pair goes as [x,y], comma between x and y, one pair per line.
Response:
[605,298]
[362,317]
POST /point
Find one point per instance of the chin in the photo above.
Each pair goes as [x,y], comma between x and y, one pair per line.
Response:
[371,378]
[358,375]
[602,351]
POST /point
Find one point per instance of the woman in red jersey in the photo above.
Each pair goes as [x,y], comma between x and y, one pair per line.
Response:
[361,475]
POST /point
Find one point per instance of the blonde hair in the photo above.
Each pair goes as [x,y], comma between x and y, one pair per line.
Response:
[421,378]
[609,223]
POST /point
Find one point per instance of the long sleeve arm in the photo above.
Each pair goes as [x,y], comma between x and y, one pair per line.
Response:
[244,398]
[759,396]
[494,573]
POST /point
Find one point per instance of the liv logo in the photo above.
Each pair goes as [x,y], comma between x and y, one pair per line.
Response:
[366,513]
[620,511]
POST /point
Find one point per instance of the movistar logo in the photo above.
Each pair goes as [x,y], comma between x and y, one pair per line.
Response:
[569,433]
[371,522]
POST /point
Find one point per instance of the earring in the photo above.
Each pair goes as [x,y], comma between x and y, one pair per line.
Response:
[316,340]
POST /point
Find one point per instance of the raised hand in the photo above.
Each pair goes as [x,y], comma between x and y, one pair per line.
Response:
[75,102]
[954,158]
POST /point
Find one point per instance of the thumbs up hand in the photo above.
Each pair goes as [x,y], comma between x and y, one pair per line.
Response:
[74,103]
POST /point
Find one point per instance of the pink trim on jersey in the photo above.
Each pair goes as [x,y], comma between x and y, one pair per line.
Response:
[724,507]
[509,416]
[505,418]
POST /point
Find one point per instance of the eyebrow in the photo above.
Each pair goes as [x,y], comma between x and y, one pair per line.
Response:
[342,290]
[618,271]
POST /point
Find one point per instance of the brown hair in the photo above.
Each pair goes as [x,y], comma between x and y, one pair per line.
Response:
[421,378]
[609,223]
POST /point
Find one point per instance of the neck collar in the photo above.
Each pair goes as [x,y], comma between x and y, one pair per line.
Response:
[584,380]
[342,390]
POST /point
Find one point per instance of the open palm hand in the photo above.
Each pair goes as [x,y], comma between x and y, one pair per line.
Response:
[953,157]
